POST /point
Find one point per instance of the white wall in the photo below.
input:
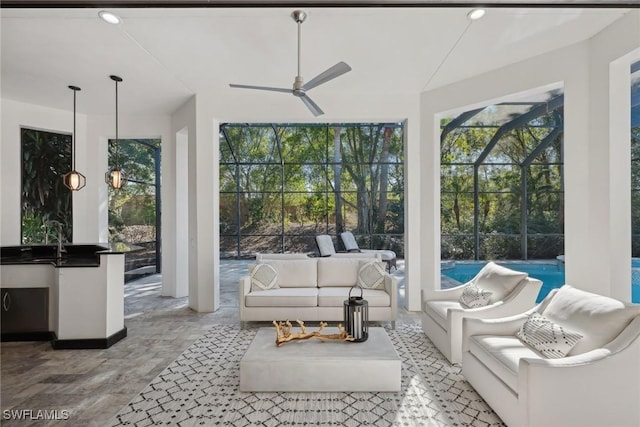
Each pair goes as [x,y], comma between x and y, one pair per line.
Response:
[593,237]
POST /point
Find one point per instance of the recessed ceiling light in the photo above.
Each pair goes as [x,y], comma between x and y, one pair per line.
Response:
[109,17]
[475,14]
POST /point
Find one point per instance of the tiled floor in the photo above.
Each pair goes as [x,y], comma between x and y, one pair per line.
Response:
[92,385]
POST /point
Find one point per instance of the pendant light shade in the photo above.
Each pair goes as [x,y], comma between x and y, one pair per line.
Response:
[116,177]
[74,180]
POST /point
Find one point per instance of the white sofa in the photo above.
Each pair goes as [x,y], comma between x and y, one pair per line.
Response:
[314,289]
[596,384]
[442,312]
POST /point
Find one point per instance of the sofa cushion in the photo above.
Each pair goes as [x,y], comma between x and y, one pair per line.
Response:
[338,271]
[371,274]
[295,273]
[551,340]
[438,311]
[473,296]
[263,277]
[498,279]
[597,318]
[501,354]
[283,297]
[335,296]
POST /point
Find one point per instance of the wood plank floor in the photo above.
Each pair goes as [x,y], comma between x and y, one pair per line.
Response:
[93,385]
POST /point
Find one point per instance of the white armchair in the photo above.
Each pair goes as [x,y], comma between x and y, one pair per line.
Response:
[596,384]
[442,313]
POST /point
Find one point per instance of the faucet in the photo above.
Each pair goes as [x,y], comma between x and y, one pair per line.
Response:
[60,250]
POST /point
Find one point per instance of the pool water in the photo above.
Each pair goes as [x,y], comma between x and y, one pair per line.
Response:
[550,273]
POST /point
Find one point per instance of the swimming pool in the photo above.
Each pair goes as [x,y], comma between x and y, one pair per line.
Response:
[550,272]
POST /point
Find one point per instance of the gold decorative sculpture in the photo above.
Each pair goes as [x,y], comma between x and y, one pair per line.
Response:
[284,334]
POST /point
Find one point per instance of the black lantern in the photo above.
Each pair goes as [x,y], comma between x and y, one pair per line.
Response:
[356,316]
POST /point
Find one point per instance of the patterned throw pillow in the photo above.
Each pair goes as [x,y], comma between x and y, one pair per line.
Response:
[474,297]
[263,277]
[551,340]
[371,274]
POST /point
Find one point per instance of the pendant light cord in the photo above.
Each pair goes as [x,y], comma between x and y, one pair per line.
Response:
[73,137]
[117,144]
[299,43]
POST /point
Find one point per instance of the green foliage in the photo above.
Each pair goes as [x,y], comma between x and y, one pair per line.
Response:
[46,157]
[320,174]
[133,207]
[499,206]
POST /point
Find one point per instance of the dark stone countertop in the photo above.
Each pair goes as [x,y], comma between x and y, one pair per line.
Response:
[73,255]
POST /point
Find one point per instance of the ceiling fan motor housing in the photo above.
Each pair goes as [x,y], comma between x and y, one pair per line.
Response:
[297,86]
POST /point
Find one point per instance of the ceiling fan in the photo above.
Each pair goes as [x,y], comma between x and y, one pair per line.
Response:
[300,88]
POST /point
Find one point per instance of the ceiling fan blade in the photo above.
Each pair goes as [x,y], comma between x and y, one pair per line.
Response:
[273,89]
[337,70]
[312,106]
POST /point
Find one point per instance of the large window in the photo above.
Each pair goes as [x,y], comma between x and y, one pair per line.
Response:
[635,182]
[46,157]
[501,181]
[635,159]
[280,185]
[134,210]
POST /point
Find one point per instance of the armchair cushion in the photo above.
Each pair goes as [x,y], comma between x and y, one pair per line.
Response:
[263,277]
[501,354]
[598,318]
[498,279]
[437,310]
[551,340]
[474,296]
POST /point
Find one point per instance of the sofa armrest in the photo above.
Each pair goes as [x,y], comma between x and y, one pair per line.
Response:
[503,326]
[244,287]
[600,387]
[442,294]
[391,287]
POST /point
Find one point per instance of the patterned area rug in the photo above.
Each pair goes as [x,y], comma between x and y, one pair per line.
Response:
[201,387]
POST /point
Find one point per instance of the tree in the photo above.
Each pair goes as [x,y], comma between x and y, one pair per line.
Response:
[46,157]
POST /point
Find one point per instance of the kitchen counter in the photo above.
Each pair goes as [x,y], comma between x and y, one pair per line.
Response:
[83,290]
[73,255]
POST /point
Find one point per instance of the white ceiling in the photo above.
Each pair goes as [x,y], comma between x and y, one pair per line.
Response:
[166,55]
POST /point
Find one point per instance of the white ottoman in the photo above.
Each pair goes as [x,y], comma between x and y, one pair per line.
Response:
[314,365]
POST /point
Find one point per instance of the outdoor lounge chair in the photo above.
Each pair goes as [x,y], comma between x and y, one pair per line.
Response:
[351,245]
[325,245]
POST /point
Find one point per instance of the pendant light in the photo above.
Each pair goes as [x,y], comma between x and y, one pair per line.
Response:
[74,180]
[116,178]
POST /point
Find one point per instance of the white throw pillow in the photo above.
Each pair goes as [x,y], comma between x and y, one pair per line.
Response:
[474,297]
[371,274]
[551,340]
[498,280]
[263,277]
